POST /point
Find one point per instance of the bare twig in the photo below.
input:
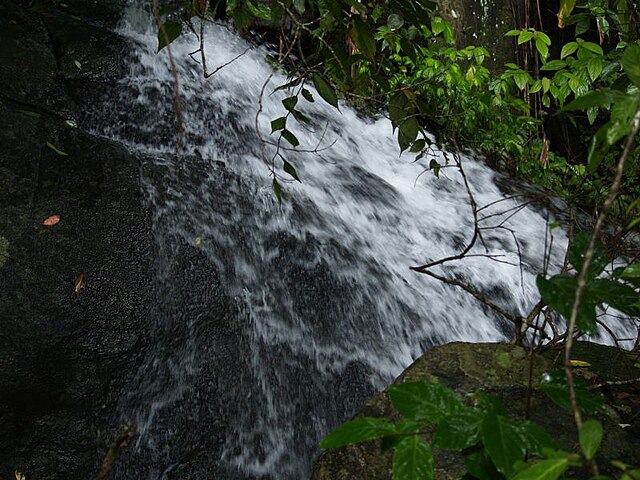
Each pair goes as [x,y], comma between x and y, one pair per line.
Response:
[121,442]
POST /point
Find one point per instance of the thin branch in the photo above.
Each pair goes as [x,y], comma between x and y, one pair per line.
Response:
[582,276]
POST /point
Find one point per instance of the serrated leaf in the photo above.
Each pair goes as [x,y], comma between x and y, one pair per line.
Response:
[590,438]
[291,170]
[357,430]
[424,401]
[278,124]
[458,431]
[502,442]
[326,91]
[290,137]
[413,460]
[168,33]
[550,469]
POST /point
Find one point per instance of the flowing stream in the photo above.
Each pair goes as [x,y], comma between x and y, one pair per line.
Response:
[274,322]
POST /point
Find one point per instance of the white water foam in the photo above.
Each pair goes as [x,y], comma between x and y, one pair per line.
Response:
[363,212]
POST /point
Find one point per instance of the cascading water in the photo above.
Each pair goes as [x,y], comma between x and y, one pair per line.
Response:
[275,321]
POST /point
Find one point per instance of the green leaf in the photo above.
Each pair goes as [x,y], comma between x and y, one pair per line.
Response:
[521,79]
[568,49]
[399,106]
[489,403]
[326,91]
[168,33]
[512,33]
[278,124]
[542,47]
[554,384]
[631,63]
[590,438]
[578,249]
[276,189]
[418,145]
[307,95]
[407,133]
[553,65]
[299,6]
[458,431]
[525,36]
[550,469]
[534,437]
[597,98]
[618,295]
[29,113]
[290,102]
[412,460]
[480,466]
[544,37]
[290,137]
[395,21]
[437,25]
[502,441]
[559,293]
[362,37]
[291,170]
[356,431]
[594,67]
[592,47]
[424,401]
[632,271]
[56,149]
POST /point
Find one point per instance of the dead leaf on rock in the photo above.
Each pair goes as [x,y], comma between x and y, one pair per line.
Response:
[19,476]
[79,284]
[51,221]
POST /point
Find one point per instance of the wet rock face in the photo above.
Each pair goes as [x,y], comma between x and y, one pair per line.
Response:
[62,353]
[500,369]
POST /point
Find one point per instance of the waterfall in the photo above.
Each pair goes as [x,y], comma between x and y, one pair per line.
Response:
[274,321]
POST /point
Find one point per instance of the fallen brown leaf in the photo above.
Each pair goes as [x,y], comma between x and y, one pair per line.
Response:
[79,284]
[51,221]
